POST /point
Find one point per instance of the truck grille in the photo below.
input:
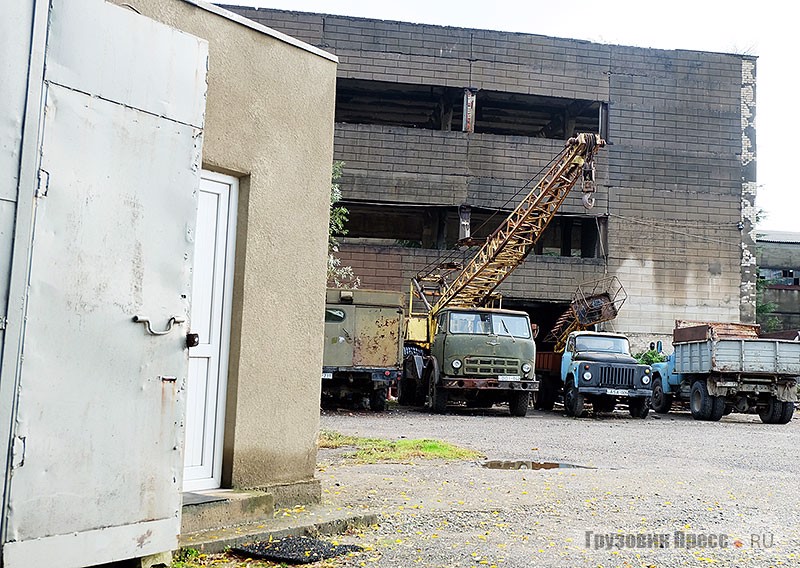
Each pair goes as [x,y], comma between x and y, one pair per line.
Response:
[617,376]
[490,366]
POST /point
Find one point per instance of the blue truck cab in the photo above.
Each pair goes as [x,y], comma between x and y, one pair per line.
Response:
[597,367]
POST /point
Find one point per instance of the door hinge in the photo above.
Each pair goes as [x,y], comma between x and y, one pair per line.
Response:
[44,183]
[3,322]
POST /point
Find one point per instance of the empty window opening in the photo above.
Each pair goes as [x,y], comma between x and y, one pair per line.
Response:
[438,228]
[437,107]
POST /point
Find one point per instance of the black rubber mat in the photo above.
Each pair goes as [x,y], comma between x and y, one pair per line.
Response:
[294,550]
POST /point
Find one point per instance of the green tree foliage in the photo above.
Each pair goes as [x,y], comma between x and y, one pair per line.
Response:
[338,276]
[649,357]
[764,309]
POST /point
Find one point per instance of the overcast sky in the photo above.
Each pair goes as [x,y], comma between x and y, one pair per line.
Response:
[767,29]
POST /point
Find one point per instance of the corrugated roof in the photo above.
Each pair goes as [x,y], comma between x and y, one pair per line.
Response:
[777,237]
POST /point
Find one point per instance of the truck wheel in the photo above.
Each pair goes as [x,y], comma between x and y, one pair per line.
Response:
[573,400]
[437,396]
[639,407]
[702,404]
[772,412]
[786,414]
[406,394]
[518,404]
[377,400]
[661,402]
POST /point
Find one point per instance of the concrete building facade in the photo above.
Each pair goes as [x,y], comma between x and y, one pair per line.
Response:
[430,118]
[778,254]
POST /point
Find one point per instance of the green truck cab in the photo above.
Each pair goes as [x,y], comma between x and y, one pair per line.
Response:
[363,353]
[477,356]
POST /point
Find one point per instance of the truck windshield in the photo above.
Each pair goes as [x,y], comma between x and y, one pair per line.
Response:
[602,343]
[485,323]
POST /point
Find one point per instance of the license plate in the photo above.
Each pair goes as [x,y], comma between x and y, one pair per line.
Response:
[509,377]
[327,376]
[617,392]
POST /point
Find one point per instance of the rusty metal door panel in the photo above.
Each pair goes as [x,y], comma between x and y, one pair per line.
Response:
[97,442]
[378,334]
[340,326]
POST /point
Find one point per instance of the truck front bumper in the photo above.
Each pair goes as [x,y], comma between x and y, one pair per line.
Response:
[611,391]
[531,385]
[380,378]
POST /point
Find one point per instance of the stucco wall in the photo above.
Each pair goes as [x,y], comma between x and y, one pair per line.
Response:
[269,121]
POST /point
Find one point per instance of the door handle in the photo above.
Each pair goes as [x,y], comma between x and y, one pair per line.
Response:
[347,336]
[174,320]
[192,339]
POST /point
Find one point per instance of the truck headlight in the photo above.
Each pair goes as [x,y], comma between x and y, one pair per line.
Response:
[526,367]
[646,380]
[456,364]
[587,376]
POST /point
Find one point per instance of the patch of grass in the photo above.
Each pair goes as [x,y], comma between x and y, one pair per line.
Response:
[374,450]
[332,440]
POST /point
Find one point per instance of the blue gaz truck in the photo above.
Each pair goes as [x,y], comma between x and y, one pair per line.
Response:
[719,368]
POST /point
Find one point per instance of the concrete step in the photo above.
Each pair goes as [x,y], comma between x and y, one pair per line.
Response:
[310,520]
[208,510]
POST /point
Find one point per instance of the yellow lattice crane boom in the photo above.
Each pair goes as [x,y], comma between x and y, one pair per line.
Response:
[514,239]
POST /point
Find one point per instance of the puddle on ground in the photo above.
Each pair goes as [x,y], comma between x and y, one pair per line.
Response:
[528,464]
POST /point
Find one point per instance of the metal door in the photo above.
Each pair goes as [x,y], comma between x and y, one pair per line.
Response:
[212,287]
[340,330]
[377,334]
[97,442]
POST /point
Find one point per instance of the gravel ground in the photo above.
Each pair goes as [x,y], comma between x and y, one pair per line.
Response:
[658,480]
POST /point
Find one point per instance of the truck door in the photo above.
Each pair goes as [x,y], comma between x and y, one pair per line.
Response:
[340,332]
[378,330]
[97,436]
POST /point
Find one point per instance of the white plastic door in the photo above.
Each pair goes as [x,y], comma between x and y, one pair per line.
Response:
[211,310]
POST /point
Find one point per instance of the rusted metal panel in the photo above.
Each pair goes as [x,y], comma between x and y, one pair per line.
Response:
[97,435]
[700,331]
[379,337]
[548,362]
[363,329]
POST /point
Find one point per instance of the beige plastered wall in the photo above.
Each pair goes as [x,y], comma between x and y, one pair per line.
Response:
[269,122]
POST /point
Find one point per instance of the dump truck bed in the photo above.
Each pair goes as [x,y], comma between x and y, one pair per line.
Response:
[733,348]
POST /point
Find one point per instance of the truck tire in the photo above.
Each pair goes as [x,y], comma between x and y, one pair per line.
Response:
[703,405]
[788,412]
[573,400]
[639,407]
[518,403]
[377,400]
[406,391]
[437,396]
[661,401]
[775,411]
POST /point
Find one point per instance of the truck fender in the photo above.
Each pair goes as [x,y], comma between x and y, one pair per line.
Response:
[666,387]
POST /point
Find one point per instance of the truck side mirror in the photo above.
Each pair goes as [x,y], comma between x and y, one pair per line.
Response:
[659,347]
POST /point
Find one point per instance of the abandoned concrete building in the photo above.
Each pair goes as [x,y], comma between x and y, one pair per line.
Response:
[431,121]
[778,254]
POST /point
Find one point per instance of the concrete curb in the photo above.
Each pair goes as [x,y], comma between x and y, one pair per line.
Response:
[312,521]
